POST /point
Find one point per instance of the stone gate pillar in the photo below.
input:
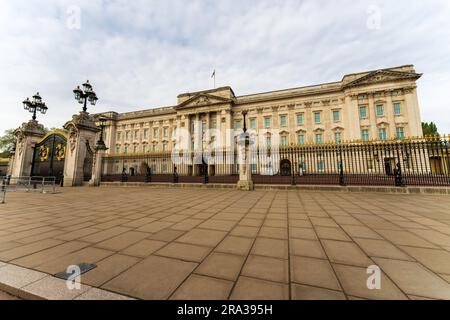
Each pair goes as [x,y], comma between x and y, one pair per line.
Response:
[82,133]
[100,150]
[245,172]
[27,137]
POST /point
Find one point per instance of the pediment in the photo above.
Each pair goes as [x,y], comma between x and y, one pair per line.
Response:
[382,76]
[203,99]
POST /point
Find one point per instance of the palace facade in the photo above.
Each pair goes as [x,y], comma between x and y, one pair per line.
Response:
[372,105]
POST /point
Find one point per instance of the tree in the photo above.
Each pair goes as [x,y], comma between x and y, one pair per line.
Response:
[429,129]
[7,143]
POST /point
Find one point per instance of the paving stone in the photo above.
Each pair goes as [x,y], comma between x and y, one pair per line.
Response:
[303,233]
[100,236]
[144,248]
[18,277]
[223,266]
[221,225]
[301,292]
[307,248]
[209,238]
[405,238]
[414,279]
[381,248]
[346,253]
[107,269]
[330,233]
[274,233]
[266,268]
[255,289]
[122,241]
[361,232]
[28,249]
[271,248]
[51,288]
[155,278]
[94,294]
[166,235]
[354,281]
[203,288]
[244,231]
[314,272]
[235,245]
[186,252]
[154,227]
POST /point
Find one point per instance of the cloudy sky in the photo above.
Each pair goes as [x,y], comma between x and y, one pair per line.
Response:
[142,53]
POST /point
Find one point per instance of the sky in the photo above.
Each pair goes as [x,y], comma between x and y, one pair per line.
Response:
[141,54]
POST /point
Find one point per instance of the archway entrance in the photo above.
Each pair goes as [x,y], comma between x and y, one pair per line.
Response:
[49,156]
[285,168]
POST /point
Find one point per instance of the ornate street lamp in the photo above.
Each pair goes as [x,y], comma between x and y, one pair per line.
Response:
[102,124]
[35,105]
[86,94]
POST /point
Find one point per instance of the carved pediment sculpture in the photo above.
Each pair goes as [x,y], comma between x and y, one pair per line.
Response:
[381,76]
[202,100]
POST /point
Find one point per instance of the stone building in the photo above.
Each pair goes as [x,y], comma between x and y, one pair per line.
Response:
[372,105]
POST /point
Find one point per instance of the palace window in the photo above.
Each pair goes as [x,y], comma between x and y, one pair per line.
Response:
[337,137]
[365,135]
[119,136]
[380,110]
[125,150]
[145,133]
[319,138]
[135,149]
[363,112]
[252,123]
[127,135]
[397,109]
[136,134]
[154,147]
[382,134]
[117,150]
[166,132]
[165,147]
[268,141]
[300,119]
[268,122]
[237,124]
[144,148]
[155,133]
[284,140]
[214,124]
[400,133]
[283,121]
[317,117]
[301,139]
[336,116]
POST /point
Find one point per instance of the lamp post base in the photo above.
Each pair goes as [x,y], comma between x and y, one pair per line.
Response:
[245,185]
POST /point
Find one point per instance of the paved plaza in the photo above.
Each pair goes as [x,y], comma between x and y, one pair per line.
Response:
[223,244]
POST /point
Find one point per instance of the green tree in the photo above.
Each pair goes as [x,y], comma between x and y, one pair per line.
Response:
[429,129]
[7,143]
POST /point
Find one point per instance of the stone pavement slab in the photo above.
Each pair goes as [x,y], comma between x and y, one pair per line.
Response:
[151,243]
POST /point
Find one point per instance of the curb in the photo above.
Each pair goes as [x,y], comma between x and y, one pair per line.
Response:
[316,188]
[29,284]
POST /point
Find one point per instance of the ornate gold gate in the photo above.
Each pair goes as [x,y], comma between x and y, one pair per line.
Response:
[49,156]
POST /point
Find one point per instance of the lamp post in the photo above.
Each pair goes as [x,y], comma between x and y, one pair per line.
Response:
[102,124]
[86,94]
[35,105]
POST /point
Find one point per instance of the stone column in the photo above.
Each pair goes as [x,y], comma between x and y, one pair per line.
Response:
[82,133]
[100,150]
[245,174]
[27,137]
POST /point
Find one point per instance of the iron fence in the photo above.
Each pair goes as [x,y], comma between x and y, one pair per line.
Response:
[422,162]
[30,184]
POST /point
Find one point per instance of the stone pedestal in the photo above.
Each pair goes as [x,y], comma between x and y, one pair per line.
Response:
[27,137]
[82,135]
[97,168]
[245,182]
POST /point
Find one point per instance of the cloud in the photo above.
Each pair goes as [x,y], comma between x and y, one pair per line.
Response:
[142,54]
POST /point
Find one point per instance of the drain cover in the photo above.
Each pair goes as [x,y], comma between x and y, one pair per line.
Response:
[84,267]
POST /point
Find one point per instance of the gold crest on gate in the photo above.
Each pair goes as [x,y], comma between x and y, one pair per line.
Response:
[60,152]
[44,153]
